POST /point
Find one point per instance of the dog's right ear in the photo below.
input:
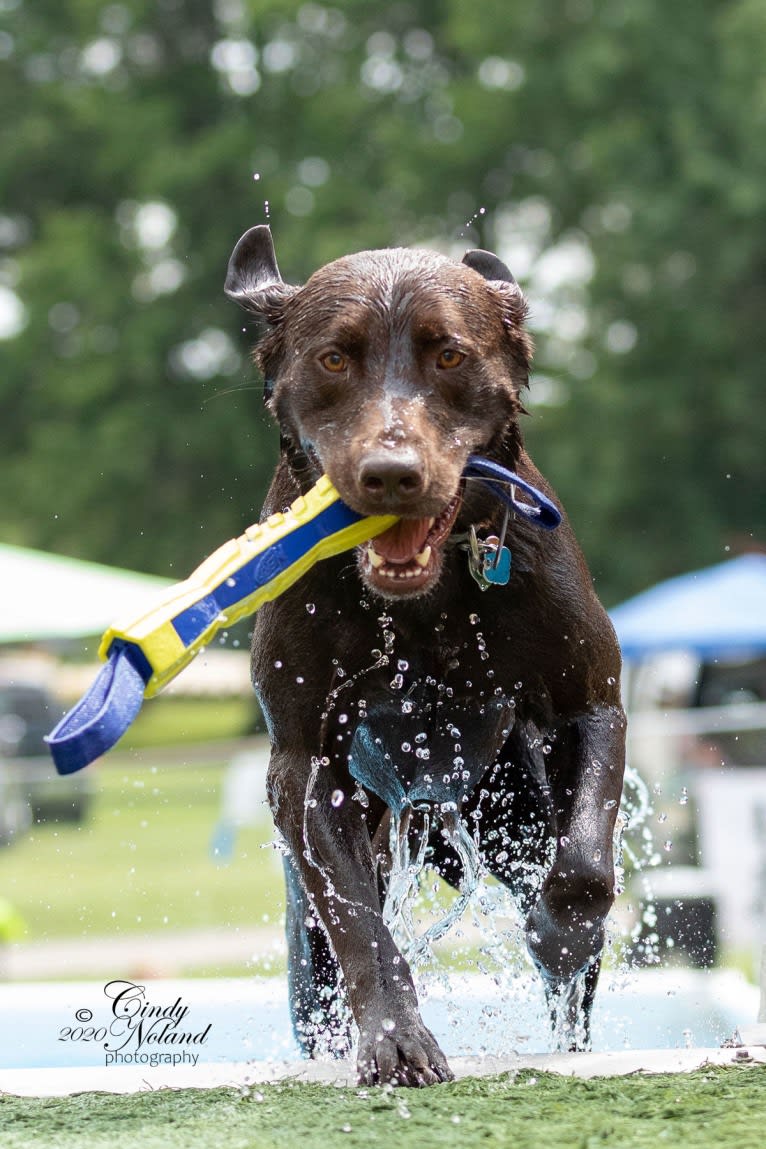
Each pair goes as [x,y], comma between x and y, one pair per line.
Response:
[252,278]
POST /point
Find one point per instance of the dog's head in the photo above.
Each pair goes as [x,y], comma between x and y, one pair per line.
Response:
[386,370]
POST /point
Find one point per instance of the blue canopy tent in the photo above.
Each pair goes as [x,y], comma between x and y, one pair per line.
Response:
[717,612]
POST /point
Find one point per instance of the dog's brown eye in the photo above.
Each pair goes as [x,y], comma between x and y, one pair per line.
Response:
[449,357]
[334,362]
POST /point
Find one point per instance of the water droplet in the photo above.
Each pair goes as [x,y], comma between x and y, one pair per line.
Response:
[421,737]
[406,747]
[407,706]
[423,752]
[564,840]
[256,176]
[662,818]
[547,748]
[611,680]
[336,799]
[667,846]
[343,719]
[387,1025]
[458,762]
[310,608]
[402,664]
[278,665]
[300,680]
[473,619]
[397,682]
[610,804]
[596,855]
[682,801]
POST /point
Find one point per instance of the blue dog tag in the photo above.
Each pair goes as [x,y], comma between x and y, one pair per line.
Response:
[497,567]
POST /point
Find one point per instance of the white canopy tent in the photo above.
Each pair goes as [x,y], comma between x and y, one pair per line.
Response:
[47,597]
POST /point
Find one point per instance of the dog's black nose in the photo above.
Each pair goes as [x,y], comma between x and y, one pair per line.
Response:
[392,475]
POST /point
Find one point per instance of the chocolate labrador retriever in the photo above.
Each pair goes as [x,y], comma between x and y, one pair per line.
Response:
[402,670]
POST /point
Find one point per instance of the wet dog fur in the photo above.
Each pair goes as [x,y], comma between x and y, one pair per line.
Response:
[385,371]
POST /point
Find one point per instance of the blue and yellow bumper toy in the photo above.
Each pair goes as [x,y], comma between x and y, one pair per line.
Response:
[145,654]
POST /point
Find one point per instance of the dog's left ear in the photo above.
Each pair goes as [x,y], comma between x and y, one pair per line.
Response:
[514,311]
[252,277]
[488,265]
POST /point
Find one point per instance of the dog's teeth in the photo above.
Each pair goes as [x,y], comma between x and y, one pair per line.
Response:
[376,560]
[431,523]
[422,558]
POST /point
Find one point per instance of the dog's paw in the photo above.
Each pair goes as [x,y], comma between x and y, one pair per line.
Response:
[403,1053]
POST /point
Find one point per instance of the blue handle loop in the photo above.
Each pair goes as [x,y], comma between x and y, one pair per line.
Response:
[103,714]
[543,512]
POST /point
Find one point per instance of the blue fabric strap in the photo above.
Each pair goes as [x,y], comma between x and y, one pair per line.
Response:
[102,715]
[543,513]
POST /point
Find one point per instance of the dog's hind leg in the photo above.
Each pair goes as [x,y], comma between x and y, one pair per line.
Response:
[566,926]
[320,1017]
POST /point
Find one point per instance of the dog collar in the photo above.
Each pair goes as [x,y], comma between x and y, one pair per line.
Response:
[489,559]
[236,580]
[504,484]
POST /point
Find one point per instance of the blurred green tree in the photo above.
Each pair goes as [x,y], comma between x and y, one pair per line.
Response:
[608,149]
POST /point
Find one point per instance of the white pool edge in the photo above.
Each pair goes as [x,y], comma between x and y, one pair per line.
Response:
[67,1081]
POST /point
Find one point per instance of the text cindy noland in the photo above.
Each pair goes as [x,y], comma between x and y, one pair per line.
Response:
[138,1031]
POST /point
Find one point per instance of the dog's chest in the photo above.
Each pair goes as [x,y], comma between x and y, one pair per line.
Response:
[432,719]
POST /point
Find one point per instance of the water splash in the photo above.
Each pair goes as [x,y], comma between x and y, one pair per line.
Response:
[634,843]
[488,911]
[404,881]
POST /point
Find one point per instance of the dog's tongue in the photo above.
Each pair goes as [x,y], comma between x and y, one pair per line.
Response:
[401,542]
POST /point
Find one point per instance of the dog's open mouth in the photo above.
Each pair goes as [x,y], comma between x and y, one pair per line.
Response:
[407,557]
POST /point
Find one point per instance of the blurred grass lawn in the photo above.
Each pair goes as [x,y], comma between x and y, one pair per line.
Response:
[141,861]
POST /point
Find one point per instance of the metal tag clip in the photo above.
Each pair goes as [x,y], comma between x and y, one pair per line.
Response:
[489,560]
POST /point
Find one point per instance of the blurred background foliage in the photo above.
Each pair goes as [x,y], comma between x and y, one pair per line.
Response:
[610,150]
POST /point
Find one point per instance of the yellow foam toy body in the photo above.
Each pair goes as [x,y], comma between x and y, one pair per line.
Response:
[240,577]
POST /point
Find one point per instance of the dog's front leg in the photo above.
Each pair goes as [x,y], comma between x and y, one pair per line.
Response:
[330,846]
[565,929]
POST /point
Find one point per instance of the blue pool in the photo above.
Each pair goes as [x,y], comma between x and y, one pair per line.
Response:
[47,1025]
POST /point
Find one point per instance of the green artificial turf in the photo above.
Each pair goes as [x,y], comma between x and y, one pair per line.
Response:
[707,1109]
